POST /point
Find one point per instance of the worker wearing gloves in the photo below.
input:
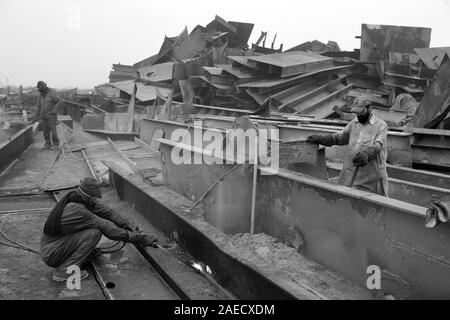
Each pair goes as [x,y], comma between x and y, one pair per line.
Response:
[46,113]
[74,228]
[366,137]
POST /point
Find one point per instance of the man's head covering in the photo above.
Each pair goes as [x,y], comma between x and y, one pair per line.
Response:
[41,84]
[359,105]
[90,187]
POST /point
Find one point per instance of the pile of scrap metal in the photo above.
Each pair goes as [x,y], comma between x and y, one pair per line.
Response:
[396,69]
[178,59]
[213,66]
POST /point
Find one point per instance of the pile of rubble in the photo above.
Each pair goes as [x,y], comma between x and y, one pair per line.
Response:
[214,66]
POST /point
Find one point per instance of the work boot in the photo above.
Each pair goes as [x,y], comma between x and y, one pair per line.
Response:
[61,276]
[46,146]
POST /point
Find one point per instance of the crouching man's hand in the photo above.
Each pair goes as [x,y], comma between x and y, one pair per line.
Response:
[144,239]
[133,228]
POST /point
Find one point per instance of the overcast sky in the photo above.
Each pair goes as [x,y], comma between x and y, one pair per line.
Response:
[73,43]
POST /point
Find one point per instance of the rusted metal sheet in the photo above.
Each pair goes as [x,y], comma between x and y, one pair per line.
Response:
[202,109]
[270,85]
[416,192]
[378,40]
[144,92]
[347,230]
[427,178]
[432,57]
[431,146]
[402,57]
[193,45]
[244,282]
[243,32]
[409,83]
[15,146]
[323,106]
[420,266]
[293,98]
[219,24]
[236,72]
[292,63]
[157,72]
[316,46]
[241,61]
[437,96]
[399,143]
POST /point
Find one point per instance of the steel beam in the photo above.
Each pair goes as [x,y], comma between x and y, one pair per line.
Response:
[164,210]
[127,160]
[431,147]
[347,230]
[399,143]
[416,192]
[11,149]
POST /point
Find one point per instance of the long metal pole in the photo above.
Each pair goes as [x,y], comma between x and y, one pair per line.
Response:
[255,180]
[89,165]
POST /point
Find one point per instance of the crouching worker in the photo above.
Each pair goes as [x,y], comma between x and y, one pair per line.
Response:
[74,228]
[365,161]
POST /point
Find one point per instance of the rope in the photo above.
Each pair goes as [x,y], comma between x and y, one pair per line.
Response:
[19,246]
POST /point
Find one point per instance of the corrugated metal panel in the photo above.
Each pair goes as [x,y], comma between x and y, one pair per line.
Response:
[432,57]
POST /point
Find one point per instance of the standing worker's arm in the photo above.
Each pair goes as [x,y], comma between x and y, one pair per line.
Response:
[36,115]
[338,138]
[370,153]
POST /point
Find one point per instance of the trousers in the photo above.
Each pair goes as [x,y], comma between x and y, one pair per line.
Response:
[49,127]
[73,249]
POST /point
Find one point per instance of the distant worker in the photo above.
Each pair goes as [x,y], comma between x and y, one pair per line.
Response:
[74,228]
[365,161]
[46,114]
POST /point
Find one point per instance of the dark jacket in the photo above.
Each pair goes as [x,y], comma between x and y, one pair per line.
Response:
[76,217]
[47,104]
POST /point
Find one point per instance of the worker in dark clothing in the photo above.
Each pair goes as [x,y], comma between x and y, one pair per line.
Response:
[74,228]
[46,112]
[365,161]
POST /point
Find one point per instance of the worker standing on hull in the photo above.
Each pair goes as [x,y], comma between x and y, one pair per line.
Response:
[46,113]
[75,226]
[365,160]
